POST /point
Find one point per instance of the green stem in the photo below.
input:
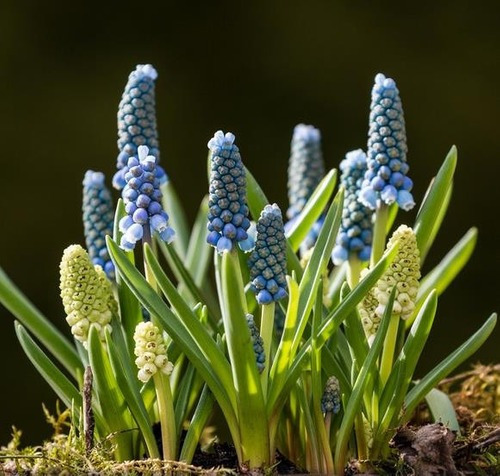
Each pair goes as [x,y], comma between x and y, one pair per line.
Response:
[353,271]
[167,416]
[379,233]
[266,332]
[389,346]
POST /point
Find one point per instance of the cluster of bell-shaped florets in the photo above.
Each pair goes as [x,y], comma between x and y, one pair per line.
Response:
[355,235]
[267,261]
[305,168]
[257,343]
[98,213]
[137,120]
[330,401]
[86,294]
[403,272]
[228,221]
[386,177]
[151,351]
[142,197]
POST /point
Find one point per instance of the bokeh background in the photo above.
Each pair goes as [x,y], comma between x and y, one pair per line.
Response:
[256,69]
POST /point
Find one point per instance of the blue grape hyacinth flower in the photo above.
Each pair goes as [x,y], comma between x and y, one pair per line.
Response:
[355,234]
[228,221]
[386,177]
[306,167]
[267,261]
[98,213]
[142,198]
[137,121]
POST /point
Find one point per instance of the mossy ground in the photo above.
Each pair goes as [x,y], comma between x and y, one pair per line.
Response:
[475,395]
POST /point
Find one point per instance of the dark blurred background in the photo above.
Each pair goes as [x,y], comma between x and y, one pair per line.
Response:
[256,70]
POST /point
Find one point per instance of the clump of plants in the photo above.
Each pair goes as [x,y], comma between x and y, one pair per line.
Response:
[295,334]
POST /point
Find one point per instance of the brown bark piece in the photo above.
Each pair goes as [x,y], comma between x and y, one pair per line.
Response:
[428,450]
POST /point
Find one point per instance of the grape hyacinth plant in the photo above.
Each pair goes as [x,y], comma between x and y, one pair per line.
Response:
[185,340]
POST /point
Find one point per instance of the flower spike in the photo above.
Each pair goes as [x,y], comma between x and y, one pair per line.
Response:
[404,273]
[151,351]
[306,167]
[268,260]
[386,178]
[86,294]
[98,213]
[330,401]
[137,121]
[355,235]
[228,221]
[142,197]
[257,343]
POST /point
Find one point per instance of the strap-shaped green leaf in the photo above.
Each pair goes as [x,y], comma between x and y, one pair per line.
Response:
[461,354]
[177,217]
[312,210]
[110,396]
[130,311]
[316,266]
[440,277]
[19,305]
[434,205]
[200,418]
[184,277]
[61,385]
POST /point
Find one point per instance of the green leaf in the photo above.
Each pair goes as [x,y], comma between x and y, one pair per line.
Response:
[434,205]
[200,418]
[177,217]
[15,302]
[442,409]
[418,392]
[130,311]
[110,396]
[316,267]
[312,210]
[199,252]
[64,389]
[257,200]
[184,277]
[449,267]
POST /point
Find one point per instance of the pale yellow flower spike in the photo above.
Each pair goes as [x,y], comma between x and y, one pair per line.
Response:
[86,294]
